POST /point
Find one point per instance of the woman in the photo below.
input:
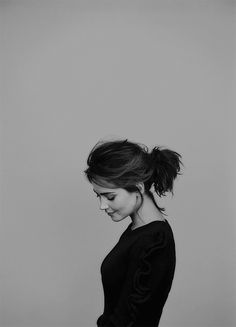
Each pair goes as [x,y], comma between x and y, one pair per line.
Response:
[137,274]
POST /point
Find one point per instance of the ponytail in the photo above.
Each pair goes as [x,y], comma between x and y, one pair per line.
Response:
[165,165]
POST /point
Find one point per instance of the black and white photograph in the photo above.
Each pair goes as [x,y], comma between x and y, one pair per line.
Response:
[118,181]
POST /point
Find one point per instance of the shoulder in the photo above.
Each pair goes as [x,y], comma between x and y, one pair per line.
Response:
[150,242]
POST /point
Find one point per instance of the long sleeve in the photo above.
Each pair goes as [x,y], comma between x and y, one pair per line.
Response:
[150,270]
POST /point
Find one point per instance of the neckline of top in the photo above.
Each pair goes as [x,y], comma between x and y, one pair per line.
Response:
[145,225]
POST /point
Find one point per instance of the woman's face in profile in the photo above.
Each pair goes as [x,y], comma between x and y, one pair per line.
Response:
[117,202]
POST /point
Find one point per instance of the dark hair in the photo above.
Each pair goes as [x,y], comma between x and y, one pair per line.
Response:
[123,164]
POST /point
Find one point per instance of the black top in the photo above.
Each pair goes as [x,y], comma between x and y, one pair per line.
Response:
[137,275]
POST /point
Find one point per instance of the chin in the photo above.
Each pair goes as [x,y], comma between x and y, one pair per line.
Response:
[119,218]
[116,218]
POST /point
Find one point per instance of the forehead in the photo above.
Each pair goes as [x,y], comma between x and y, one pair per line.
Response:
[100,189]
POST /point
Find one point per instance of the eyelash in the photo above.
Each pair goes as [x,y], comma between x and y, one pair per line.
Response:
[111,199]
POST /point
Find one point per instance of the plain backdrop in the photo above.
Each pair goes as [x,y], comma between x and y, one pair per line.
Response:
[75,72]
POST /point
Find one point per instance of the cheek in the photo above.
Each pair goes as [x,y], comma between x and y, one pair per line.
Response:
[128,205]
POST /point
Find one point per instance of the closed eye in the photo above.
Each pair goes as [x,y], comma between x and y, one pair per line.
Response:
[108,198]
[111,199]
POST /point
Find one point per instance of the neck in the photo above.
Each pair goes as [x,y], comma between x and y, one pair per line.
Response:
[146,213]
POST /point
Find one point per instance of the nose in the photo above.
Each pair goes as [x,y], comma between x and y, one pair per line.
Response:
[103,204]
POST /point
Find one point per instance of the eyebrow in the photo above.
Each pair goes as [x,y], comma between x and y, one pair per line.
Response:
[105,193]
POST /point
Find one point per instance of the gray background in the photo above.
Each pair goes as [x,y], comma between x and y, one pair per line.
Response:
[156,72]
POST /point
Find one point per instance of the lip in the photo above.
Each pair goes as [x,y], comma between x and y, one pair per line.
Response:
[110,213]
